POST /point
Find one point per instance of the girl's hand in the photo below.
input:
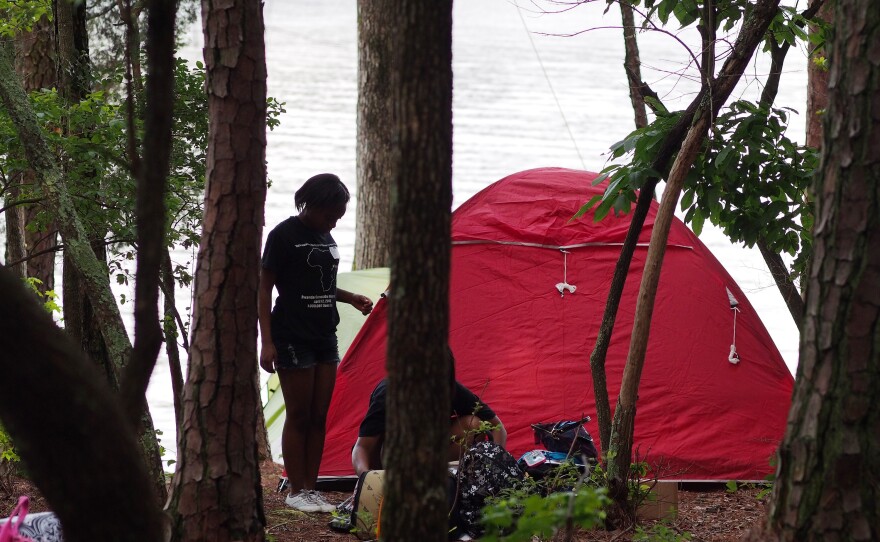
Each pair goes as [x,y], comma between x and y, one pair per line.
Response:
[267,357]
[362,303]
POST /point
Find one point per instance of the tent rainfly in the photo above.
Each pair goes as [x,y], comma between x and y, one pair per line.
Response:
[527,294]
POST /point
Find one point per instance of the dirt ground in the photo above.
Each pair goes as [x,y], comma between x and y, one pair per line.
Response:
[710,515]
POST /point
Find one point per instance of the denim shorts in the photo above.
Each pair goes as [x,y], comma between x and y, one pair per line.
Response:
[305,356]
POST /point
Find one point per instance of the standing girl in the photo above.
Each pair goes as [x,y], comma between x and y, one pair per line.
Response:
[299,335]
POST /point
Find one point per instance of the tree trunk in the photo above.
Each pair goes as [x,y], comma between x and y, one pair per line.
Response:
[671,146]
[829,462]
[633,64]
[782,278]
[35,63]
[216,488]
[68,427]
[150,205]
[374,136]
[418,322]
[817,81]
[16,245]
[41,159]
[612,304]
[170,331]
[95,284]
[623,424]
[72,48]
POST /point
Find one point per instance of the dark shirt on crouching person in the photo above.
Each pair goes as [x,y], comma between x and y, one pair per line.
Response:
[466,413]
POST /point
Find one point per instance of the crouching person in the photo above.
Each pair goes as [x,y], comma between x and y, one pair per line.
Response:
[465,417]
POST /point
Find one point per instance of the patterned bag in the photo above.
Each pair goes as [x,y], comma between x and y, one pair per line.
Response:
[9,530]
[485,470]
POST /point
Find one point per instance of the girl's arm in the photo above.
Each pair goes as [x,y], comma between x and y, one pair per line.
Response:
[264,314]
[358,301]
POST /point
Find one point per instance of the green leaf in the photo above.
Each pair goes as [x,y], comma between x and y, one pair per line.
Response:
[602,210]
[587,206]
[687,199]
[697,222]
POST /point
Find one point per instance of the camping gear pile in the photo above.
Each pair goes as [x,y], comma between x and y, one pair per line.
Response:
[565,442]
[485,470]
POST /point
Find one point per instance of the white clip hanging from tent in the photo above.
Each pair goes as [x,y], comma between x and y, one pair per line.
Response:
[561,287]
[733,357]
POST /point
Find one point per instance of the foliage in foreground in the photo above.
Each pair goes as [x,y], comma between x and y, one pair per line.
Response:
[520,517]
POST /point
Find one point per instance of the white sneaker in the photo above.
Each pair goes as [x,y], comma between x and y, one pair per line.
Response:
[303,502]
[318,499]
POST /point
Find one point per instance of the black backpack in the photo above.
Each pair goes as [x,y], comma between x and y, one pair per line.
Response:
[485,470]
[568,437]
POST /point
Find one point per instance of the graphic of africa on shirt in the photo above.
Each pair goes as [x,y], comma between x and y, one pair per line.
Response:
[323,260]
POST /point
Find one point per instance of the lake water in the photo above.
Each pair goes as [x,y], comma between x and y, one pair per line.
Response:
[525,96]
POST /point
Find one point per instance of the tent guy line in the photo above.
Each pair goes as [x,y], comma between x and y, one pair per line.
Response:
[555,247]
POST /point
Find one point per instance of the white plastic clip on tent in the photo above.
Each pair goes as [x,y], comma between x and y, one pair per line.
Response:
[734,306]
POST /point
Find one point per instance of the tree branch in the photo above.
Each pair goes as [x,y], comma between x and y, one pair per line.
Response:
[782,278]
[20,202]
[150,207]
[71,435]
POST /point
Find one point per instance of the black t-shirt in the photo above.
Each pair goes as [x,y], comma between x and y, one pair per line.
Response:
[464,402]
[305,263]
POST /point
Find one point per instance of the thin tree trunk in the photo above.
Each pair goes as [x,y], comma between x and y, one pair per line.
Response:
[633,64]
[96,284]
[150,207]
[41,159]
[829,461]
[16,248]
[374,136]
[129,17]
[170,331]
[781,275]
[782,278]
[35,63]
[671,145]
[418,323]
[817,81]
[216,488]
[78,448]
[623,425]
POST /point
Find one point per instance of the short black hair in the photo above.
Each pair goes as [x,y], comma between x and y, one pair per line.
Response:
[323,191]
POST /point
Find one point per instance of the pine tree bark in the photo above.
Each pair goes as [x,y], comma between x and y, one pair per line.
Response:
[34,247]
[817,81]
[71,49]
[216,488]
[418,325]
[78,448]
[15,257]
[374,136]
[829,462]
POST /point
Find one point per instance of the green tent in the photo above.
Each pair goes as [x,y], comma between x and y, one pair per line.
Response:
[371,283]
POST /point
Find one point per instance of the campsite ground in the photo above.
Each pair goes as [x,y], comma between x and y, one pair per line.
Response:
[711,515]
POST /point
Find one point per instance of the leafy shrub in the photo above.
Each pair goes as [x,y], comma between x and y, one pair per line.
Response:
[659,532]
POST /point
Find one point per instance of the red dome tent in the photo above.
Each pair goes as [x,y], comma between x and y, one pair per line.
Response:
[527,293]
